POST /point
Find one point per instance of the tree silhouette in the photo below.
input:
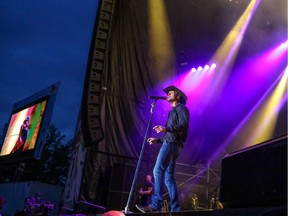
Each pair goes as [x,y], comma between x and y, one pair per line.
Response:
[53,166]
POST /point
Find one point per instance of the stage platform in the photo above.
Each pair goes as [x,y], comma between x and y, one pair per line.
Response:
[263,211]
[269,211]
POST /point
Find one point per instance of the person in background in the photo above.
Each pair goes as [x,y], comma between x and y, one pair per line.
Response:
[145,192]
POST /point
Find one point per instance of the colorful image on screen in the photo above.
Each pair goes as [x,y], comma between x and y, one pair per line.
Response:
[23,129]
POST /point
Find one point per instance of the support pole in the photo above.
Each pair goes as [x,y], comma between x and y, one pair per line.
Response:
[208,181]
[140,158]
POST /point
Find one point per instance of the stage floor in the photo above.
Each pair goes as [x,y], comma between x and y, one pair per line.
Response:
[251,211]
[269,211]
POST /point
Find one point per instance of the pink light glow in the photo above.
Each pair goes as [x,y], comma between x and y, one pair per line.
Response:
[193,83]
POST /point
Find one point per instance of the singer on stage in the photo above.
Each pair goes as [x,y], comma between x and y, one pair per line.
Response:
[175,134]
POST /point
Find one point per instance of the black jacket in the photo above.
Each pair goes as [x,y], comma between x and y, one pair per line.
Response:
[177,125]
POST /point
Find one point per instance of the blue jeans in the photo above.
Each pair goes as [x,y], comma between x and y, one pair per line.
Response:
[164,172]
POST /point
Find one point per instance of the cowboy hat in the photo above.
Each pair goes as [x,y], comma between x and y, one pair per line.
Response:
[184,97]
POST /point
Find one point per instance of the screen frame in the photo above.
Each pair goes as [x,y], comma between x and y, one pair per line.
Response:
[49,95]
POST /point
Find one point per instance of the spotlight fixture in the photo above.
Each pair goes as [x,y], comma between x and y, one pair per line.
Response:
[199,68]
[213,65]
[206,68]
[193,70]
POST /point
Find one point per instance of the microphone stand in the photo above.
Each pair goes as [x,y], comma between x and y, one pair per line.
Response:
[140,157]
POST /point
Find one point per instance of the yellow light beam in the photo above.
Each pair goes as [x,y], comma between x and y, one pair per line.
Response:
[161,45]
[263,124]
[227,52]
[263,116]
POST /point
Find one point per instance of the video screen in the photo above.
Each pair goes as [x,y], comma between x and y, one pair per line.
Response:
[23,129]
[28,127]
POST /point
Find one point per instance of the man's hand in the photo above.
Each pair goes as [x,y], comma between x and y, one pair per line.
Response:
[159,128]
[140,191]
[152,140]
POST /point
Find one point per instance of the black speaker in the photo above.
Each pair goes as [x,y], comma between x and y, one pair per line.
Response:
[255,176]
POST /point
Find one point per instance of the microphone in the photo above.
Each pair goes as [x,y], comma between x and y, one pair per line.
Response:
[158,97]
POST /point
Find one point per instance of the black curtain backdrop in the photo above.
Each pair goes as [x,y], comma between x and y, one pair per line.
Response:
[131,75]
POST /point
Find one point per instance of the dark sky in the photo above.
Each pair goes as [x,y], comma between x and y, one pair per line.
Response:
[42,42]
